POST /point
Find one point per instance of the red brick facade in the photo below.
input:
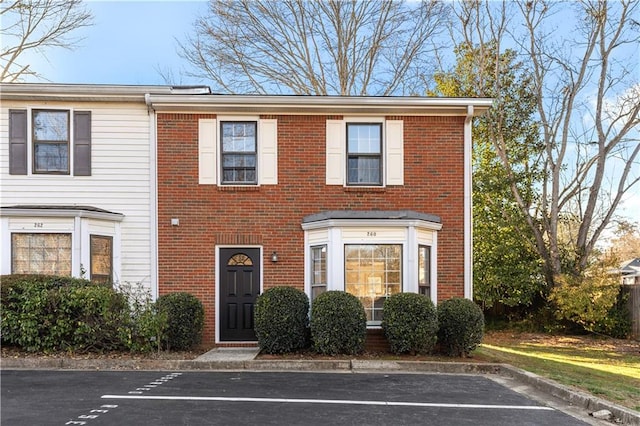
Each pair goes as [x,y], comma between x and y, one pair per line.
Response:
[270,215]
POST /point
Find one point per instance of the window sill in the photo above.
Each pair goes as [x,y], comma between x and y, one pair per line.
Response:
[365,189]
[238,188]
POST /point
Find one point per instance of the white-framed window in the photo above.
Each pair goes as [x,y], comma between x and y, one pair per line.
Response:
[424,270]
[373,272]
[318,270]
[41,253]
[364,151]
[238,150]
[49,141]
[83,242]
[372,255]
[101,254]
[50,136]
[364,154]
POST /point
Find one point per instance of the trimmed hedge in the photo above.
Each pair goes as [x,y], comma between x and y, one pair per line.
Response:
[282,320]
[410,323]
[43,313]
[184,320]
[461,326]
[338,323]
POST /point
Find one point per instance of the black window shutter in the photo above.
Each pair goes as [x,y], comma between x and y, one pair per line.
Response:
[82,143]
[17,142]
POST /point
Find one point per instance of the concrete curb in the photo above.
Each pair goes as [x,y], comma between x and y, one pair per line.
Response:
[580,399]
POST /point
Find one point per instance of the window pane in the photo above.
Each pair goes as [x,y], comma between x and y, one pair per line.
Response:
[238,160]
[424,270]
[239,152]
[364,138]
[51,157]
[41,254]
[364,170]
[373,273]
[239,137]
[101,258]
[318,270]
[50,141]
[51,126]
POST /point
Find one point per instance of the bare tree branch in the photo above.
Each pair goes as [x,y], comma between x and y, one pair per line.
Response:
[315,47]
[37,25]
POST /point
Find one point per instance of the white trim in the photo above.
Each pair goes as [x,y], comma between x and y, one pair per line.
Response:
[207,158]
[468,217]
[153,207]
[36,212]
[218,269]
[382,223]
[381,233]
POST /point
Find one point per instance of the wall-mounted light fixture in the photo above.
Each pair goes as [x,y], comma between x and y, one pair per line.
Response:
[274,257]
[175,221]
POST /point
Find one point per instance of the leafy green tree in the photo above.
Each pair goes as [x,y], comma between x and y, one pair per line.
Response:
[507,269]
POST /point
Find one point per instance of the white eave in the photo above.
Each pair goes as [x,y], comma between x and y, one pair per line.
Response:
[200,99]
[89,92]
[338,105]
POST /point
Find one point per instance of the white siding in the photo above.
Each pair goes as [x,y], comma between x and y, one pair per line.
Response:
[120,178]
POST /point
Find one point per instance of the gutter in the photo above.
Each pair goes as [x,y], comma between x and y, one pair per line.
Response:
[468,204]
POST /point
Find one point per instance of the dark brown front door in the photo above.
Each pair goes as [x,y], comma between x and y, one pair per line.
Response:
[239,287]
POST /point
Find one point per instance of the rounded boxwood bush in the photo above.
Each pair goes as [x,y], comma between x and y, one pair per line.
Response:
[460,326]
[410,323]
[282,320]
[185,320]
[338,323]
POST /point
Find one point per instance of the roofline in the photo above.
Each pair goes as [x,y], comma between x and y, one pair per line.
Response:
[60,211]
[90,92]
[338,105]
[199,99]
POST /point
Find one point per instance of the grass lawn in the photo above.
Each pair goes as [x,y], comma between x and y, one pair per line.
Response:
[607,368]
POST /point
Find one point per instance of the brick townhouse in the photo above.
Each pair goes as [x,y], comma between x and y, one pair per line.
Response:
[371,195]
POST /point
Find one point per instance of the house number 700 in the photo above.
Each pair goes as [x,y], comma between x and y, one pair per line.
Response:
[371,234]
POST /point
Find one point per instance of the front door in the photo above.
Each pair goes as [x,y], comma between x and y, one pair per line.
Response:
[239,287]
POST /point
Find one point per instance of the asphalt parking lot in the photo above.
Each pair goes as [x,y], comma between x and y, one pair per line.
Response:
[46,397]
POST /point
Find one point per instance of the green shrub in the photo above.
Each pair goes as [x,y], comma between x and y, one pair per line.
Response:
[460,326]
[591,301]
[338,323]
[146,325]
[50,313]
[185,320]
[410,323]
[282,320]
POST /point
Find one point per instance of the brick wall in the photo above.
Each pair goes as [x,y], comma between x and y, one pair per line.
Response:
[271,215]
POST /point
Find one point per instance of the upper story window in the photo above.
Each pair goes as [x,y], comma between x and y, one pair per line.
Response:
[364,153]
[50,141]
[239,152]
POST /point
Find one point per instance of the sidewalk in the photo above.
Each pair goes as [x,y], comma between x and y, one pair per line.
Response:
[244,359]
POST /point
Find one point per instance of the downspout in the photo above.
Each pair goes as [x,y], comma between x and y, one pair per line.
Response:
[153,197]
[468,206]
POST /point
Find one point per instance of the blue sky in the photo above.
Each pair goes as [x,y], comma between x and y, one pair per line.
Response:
[131,41]
[128,43]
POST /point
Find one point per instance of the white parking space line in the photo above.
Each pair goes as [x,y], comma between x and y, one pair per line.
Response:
[327,401]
